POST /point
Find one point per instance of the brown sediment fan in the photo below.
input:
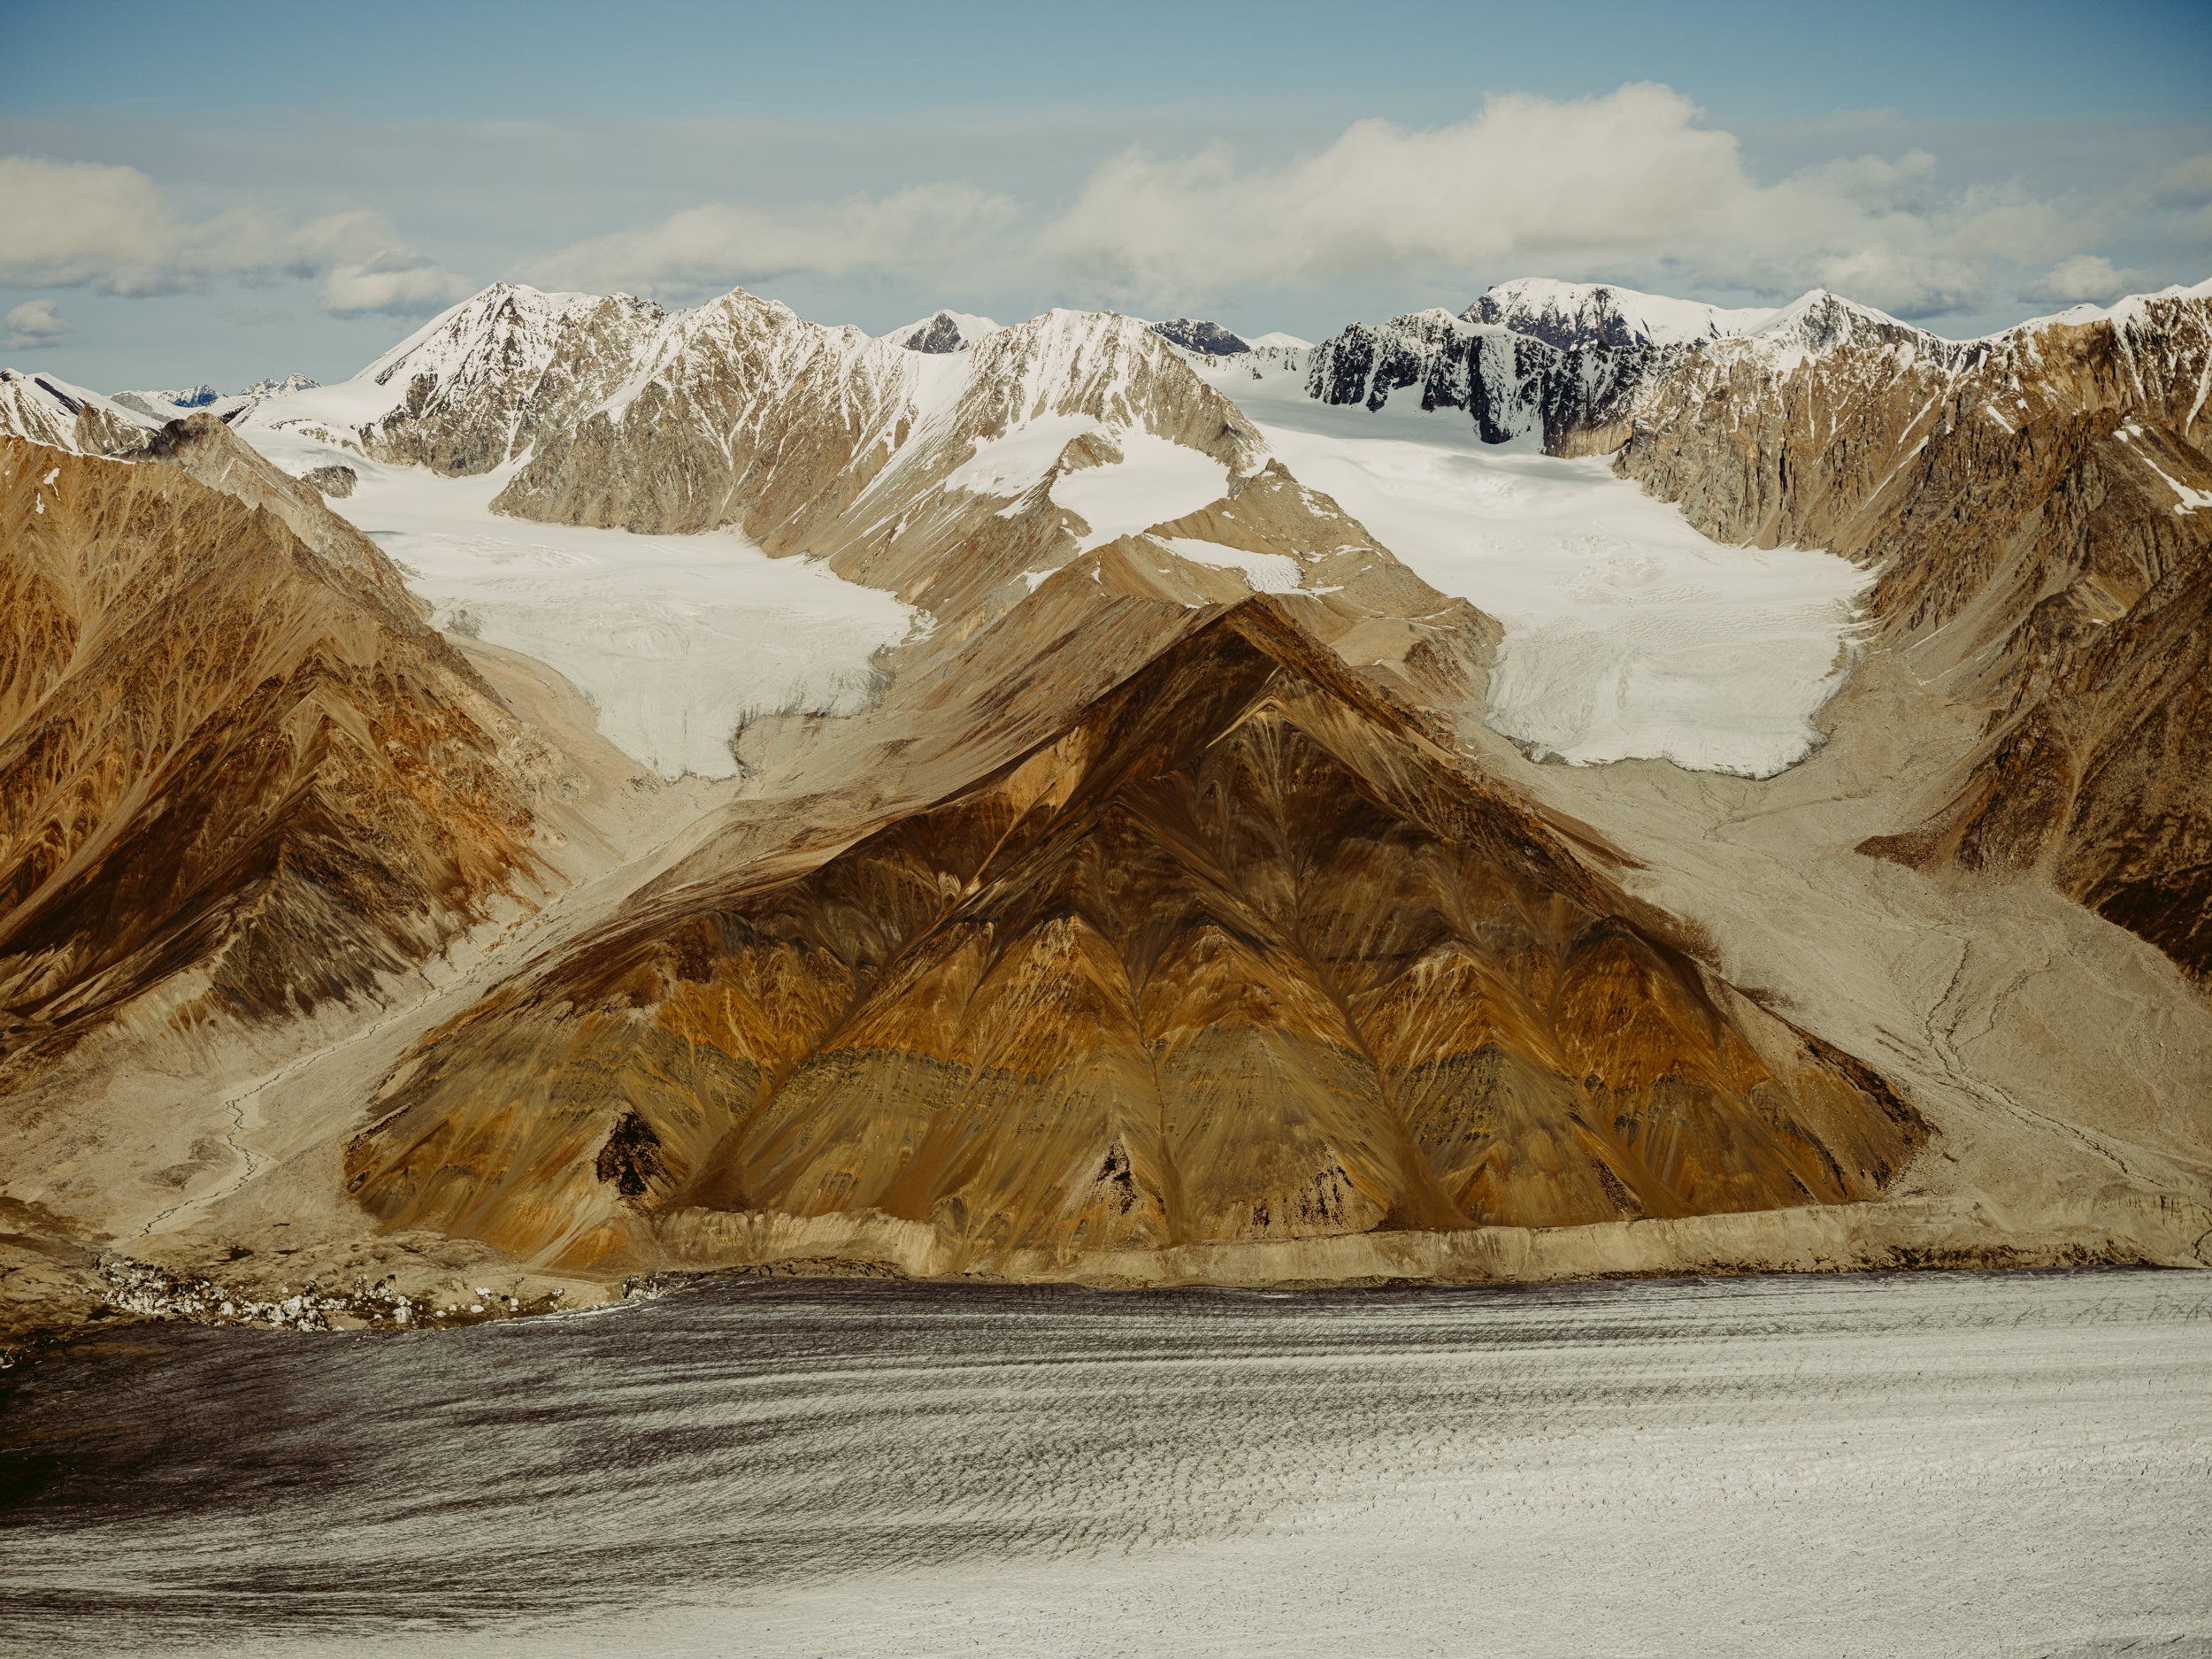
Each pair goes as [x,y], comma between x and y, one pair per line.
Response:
[224,754]
[1239,954]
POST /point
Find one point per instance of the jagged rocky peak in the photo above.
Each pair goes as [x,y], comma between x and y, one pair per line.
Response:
[1570,314]
[1514,384]
[279,389]
[510,331]
[1208,339]
[943,332]
[1820,322]
[722,423]
[478,384]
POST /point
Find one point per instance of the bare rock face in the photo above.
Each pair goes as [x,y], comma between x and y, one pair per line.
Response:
[749,415]
[1786,434]
[229,763]
[1210,340]
[1514,384]
[939,334]
[2093,774]
[336,482]
[488,379]
[204,447]
[1236,954]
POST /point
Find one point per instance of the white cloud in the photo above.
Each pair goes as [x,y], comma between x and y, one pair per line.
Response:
[2086,276]
[1628,184]
[2189,179]
[33,324]
[712,246]
[83,223]
[396,285]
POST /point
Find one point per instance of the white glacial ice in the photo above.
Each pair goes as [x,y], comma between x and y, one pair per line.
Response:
[1628,636]
[677,640]
[1155,482]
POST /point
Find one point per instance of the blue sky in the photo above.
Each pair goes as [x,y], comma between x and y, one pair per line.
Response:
[222,192]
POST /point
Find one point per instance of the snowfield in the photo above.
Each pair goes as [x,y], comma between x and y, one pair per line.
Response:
[1628,636]
[1155,482]
[677,640]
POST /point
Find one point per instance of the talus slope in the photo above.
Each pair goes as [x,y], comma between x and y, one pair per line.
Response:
[1238,954]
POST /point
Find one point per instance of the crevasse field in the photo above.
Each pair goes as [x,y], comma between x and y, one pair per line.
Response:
[1992,1465]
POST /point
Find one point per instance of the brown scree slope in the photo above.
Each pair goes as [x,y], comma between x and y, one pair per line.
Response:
[1239,954]
[223,754]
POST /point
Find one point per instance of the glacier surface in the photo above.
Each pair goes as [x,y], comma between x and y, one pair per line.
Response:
[1628,636]
[678,640]
[1919,1466]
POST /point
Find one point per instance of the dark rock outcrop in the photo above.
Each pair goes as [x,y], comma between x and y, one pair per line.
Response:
[1210,340]
[1513,385]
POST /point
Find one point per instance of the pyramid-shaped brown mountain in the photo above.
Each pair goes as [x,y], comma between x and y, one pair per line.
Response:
[1240,954]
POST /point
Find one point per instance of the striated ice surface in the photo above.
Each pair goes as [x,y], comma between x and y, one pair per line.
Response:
[1908,1466]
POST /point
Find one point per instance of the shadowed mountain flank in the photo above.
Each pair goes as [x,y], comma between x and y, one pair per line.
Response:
[225,755]
[1238,954]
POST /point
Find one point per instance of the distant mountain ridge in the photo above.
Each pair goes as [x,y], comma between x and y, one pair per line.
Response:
[1566,315]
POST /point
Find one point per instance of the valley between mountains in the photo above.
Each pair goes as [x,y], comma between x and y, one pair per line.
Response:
[1595,784]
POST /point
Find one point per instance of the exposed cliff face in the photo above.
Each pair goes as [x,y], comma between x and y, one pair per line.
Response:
[1785,434]
[1207,339]
[824,441]
[943,331]
[480,385]
[1514,384]
[1235,955]
[2098,617]
[229,761]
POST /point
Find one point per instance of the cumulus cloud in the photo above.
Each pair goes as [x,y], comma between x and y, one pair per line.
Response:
[395,284]
[33,324]
[2086,276]
[713,246]
[83,223]
[1628,184]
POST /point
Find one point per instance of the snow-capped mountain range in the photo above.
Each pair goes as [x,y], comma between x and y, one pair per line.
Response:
[1101,820]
